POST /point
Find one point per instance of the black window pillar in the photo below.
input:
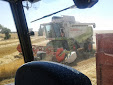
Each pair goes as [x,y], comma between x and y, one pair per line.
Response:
[22,29]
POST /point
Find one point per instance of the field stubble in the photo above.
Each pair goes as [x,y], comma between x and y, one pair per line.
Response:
[10,59]
[8,70]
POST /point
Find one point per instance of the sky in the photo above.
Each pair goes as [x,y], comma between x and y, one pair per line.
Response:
[101,14]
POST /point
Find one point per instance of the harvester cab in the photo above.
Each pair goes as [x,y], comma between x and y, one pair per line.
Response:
[63,27]
[46,72]
[56,27]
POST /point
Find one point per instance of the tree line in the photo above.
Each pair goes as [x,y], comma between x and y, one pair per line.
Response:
[6,31]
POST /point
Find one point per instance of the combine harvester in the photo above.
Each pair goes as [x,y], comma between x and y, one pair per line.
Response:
[66,37]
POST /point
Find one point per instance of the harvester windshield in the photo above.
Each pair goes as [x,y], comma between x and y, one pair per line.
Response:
[56,27]
[52,30]
[49,31]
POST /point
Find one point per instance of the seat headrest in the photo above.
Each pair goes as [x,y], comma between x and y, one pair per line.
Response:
[49,73]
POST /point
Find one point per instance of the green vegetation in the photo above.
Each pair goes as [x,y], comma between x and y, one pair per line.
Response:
[5,31]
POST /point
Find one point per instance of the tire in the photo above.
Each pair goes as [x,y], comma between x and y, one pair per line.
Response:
[88,47]
[76,46]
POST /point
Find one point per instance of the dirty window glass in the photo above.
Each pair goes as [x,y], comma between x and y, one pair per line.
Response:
[75,33]
[71,39]
[10,58]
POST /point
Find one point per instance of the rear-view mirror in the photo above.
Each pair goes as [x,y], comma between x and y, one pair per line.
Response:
[81,4]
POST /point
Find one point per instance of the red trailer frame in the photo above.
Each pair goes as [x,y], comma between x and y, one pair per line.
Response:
[104,59]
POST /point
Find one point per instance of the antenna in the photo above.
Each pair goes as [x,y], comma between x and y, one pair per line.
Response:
[73,6]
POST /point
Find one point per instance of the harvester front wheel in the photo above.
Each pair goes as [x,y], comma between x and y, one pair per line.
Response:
[88,47]
[75,47]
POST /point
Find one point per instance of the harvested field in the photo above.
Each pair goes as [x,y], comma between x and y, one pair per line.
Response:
[4,42]
[7,81]
[88,67]
[7,50]
[10,56]
[10,60]
[9,70]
